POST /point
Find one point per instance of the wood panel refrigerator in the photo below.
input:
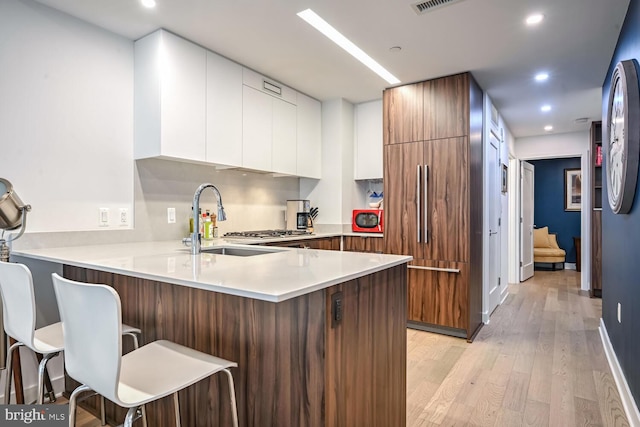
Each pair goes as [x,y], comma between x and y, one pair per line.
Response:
[433,199]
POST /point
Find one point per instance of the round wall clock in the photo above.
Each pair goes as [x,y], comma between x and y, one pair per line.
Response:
[623,137]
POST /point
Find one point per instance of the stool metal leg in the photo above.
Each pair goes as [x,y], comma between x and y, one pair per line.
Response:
[73,402]
[131,416]
[176,406]
[103,414]
[7,384]
[41,370]
[136,345]
[232,395]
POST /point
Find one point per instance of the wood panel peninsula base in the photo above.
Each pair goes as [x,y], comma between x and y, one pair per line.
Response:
[297,364]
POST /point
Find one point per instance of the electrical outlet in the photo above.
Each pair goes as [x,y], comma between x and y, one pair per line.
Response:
[124,217]
[103,219]
[619,313]
[171,215]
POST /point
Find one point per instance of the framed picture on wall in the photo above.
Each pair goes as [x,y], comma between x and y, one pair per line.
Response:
[504,179]
[572,189]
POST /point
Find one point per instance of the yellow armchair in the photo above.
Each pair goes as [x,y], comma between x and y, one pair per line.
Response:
[546,249]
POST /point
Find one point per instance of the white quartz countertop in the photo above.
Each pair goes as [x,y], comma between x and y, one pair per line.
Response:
[277,275]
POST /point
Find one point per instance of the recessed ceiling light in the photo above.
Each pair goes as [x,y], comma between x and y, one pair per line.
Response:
[545,108]
[534,19]
[148,3]
[334,35]
[540,77]
[548,128]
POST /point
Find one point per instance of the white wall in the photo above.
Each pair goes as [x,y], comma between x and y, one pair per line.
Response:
[66,116]
[573,144]
[335,193]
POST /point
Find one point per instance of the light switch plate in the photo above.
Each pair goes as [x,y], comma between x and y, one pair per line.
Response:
[171,215]
[103,219]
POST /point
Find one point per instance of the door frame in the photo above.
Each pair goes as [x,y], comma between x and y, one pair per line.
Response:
[523,164]
[585,214]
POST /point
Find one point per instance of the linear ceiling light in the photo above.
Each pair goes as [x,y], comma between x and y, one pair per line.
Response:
[325,28]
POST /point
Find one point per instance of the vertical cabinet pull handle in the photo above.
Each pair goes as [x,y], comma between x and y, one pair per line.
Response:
[426,204]
[418,205]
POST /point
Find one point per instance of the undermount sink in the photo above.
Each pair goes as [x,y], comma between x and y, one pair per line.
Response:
[233,251]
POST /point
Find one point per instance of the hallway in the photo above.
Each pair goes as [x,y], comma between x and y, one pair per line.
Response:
[539,362]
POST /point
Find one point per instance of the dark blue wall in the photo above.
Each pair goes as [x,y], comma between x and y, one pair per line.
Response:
[549,202]
[621,238]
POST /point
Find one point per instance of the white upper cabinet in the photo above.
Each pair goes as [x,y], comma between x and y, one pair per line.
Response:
[368,140]
[309,138]
[284,147]
[256,129]
[268,125]
[194,105]
[170,84]
[224,111]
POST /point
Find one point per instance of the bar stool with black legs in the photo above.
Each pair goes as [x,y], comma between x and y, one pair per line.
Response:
[19,314]
[91,320]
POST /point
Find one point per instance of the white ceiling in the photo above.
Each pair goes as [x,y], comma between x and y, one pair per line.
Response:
[574,44]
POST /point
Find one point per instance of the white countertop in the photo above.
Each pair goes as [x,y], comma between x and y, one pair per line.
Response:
[273,276]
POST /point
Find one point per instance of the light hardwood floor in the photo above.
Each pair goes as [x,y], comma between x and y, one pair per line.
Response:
[539,362]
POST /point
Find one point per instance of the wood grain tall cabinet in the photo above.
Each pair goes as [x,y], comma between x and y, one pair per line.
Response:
[433,199]
[596,211]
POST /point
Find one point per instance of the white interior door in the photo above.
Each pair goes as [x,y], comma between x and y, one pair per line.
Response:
[527,174]
[494,188]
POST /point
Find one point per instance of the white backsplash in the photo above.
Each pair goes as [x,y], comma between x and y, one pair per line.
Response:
[252,201]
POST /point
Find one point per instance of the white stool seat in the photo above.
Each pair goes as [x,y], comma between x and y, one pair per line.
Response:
[91,317]
[48,339]
[161,368]
[19,314]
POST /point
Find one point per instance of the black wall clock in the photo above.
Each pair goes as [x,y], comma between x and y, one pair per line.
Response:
[623,137]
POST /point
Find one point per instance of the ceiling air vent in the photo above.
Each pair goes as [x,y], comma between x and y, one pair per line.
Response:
[422,7]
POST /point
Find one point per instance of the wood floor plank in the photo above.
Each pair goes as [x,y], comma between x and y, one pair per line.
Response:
[587,413]
[536,414]
[507,417]
[485,413]
[609,402]
[515,396]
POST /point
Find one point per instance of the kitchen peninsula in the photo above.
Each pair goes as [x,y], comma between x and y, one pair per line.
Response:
[319,336]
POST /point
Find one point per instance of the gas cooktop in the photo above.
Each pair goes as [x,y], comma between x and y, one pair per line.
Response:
[266,234]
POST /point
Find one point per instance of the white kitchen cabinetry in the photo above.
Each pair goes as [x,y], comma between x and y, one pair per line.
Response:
[224,111]
[170,85]
[268,125]
[194,105]
[368,140]
[309,138]
[284,146]
[256,129]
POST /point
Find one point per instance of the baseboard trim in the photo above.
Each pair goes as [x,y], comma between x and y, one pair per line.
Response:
[629,404]
[570,266]
[31,392]
[485,317]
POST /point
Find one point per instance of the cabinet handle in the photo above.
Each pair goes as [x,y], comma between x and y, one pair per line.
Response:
[444,270]
[426,204]
[418,202]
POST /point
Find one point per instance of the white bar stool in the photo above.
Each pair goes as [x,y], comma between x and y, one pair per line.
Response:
[91,319]
[19,314]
